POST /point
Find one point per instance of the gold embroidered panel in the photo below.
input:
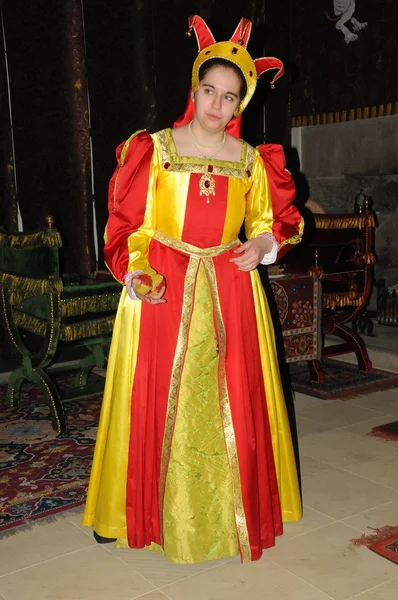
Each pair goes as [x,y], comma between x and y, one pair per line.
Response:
[171,161]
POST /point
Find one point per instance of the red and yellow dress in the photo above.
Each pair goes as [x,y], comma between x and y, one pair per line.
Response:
[194,456]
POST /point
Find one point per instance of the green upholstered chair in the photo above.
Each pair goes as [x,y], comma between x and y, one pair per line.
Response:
[35,299]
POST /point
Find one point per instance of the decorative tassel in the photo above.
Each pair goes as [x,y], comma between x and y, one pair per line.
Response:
[68,333]
[85,329]
[75,307]
[357,258]
[31,323]
[317,270]
[369,258]
[358,221]
[22,288]
[353,291]
[48,238]
[342,299]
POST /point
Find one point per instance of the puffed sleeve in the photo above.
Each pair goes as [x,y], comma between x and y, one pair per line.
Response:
[288,224]
[269,202]
[132,217]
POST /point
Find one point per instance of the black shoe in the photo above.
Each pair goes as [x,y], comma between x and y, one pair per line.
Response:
[103,540]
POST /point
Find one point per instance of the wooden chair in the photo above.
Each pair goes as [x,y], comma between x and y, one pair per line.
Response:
[35,299]
[338,248]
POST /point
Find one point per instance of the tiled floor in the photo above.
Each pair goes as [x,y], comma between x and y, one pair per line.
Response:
[350,483]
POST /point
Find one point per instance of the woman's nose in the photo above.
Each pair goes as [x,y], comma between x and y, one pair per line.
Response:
[216,101]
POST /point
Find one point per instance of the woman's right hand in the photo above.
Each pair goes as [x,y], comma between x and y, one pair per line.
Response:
[155,299]
[132,281]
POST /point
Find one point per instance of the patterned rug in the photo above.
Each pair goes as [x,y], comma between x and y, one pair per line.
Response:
[342,380]
[40,473]
[384,541]
[389,431]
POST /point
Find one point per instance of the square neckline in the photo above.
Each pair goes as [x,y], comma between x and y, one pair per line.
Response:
[194,159]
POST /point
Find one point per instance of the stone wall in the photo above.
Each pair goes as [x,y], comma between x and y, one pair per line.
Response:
[340,159]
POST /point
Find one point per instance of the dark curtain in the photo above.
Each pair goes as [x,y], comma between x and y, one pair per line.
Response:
[344,75]
[8,196]
[135,60]
[139,64]
[50,112]
[267,118]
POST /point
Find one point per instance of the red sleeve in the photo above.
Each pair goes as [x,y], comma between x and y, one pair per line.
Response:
[128,189]
[288,224]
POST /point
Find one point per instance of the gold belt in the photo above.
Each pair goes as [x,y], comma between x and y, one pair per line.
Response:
[194,251]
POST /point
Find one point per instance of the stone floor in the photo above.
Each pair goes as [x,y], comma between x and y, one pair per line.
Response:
[384,338]
[350,483]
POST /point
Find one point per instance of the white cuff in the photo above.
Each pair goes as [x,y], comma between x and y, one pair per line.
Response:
[271,256]
[128,278]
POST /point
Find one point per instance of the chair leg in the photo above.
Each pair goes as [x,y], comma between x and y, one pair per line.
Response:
[51,394]
[47,387]
[15,382]
[356,344]
[96,358]
[316,371]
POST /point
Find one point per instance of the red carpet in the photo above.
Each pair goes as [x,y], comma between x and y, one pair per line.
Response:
[389,431]
[342,380]
[384,541]
[42,474]
[387,548]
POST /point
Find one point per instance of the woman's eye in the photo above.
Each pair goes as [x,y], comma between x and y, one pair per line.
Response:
[229,98]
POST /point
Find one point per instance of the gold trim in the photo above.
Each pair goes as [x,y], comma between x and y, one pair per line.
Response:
[20,288]
[51,400]
[192,164]
[47,238]
[345,221]
[295,239]
[51,336]
[3,297]
[341,299]
[182,340]
[194,250]
[86,329]
[342,116]
[73,307]
[50,341]
[226,416]
[68,333]
[31,323]
[207,186]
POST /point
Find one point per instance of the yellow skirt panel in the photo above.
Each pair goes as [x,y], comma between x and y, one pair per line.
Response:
[105,508]
[285,463]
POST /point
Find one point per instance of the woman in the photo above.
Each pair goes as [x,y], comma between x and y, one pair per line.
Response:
[193,456]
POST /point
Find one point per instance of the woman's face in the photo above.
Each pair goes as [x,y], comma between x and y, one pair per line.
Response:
[217,98]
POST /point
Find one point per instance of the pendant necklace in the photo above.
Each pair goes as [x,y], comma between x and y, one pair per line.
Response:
[207,183]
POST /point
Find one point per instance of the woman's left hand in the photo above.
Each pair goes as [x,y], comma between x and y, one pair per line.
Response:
[251,253]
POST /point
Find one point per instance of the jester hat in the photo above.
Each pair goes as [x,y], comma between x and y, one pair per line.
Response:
[233,51]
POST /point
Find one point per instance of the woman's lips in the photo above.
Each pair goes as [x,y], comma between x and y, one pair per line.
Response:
[214,117]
